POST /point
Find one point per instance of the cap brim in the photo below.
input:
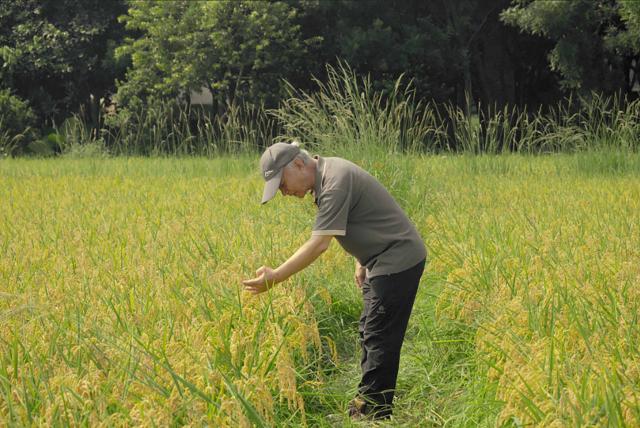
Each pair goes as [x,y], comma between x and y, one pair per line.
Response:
[271,187]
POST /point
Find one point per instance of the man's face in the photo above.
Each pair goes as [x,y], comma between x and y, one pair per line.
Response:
[294,180]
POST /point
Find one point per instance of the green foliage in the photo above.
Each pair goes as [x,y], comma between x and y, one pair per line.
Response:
[625,38]
[148,322]
[17,124]
[592,38]
[238,50]
[40,148]
[476,84]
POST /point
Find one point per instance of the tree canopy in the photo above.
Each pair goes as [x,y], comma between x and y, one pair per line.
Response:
[595,41]
[56,54]
[235,49]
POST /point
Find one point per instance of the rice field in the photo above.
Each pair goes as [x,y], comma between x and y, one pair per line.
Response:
[121,304]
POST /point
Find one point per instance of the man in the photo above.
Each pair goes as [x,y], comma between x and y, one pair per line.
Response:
[389,255]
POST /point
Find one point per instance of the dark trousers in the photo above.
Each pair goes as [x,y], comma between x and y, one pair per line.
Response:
[388,300]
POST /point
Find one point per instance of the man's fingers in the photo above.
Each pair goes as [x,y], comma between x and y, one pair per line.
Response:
[252,282]
[260,283]
[254,290]
[254,286]
[251,288]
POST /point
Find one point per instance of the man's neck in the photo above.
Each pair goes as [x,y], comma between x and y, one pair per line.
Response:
[313,169]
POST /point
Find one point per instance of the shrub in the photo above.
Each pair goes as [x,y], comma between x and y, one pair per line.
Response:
[17,121]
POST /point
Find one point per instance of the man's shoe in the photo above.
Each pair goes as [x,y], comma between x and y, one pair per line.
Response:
[358,409]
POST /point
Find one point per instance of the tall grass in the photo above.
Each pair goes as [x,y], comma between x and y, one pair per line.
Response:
[169,128]
[345,112]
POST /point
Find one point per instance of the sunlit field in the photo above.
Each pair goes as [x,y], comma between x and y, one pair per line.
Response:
[121,303]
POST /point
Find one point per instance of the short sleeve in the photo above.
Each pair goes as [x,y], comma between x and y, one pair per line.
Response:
[333,211]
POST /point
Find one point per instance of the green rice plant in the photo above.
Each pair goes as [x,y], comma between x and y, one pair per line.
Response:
[120,298]
[543,273]
[127,309]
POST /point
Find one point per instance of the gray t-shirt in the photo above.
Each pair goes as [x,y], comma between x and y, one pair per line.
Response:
[365,219]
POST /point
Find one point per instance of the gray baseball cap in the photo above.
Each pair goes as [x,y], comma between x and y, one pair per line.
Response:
[273,160]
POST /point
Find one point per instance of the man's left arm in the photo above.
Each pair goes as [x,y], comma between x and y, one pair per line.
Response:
[303,257]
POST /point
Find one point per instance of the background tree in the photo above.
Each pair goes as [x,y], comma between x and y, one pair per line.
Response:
[384,39]
[238,50]
[594,40]
[56,53]
[17,124]
[448,48]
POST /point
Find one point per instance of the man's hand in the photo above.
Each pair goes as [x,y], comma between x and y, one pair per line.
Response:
[360,274]
[266,278]
[302,258]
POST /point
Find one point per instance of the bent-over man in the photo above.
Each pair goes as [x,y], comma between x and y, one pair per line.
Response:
[389,257]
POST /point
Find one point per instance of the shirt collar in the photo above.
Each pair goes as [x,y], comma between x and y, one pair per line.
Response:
[317,188]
